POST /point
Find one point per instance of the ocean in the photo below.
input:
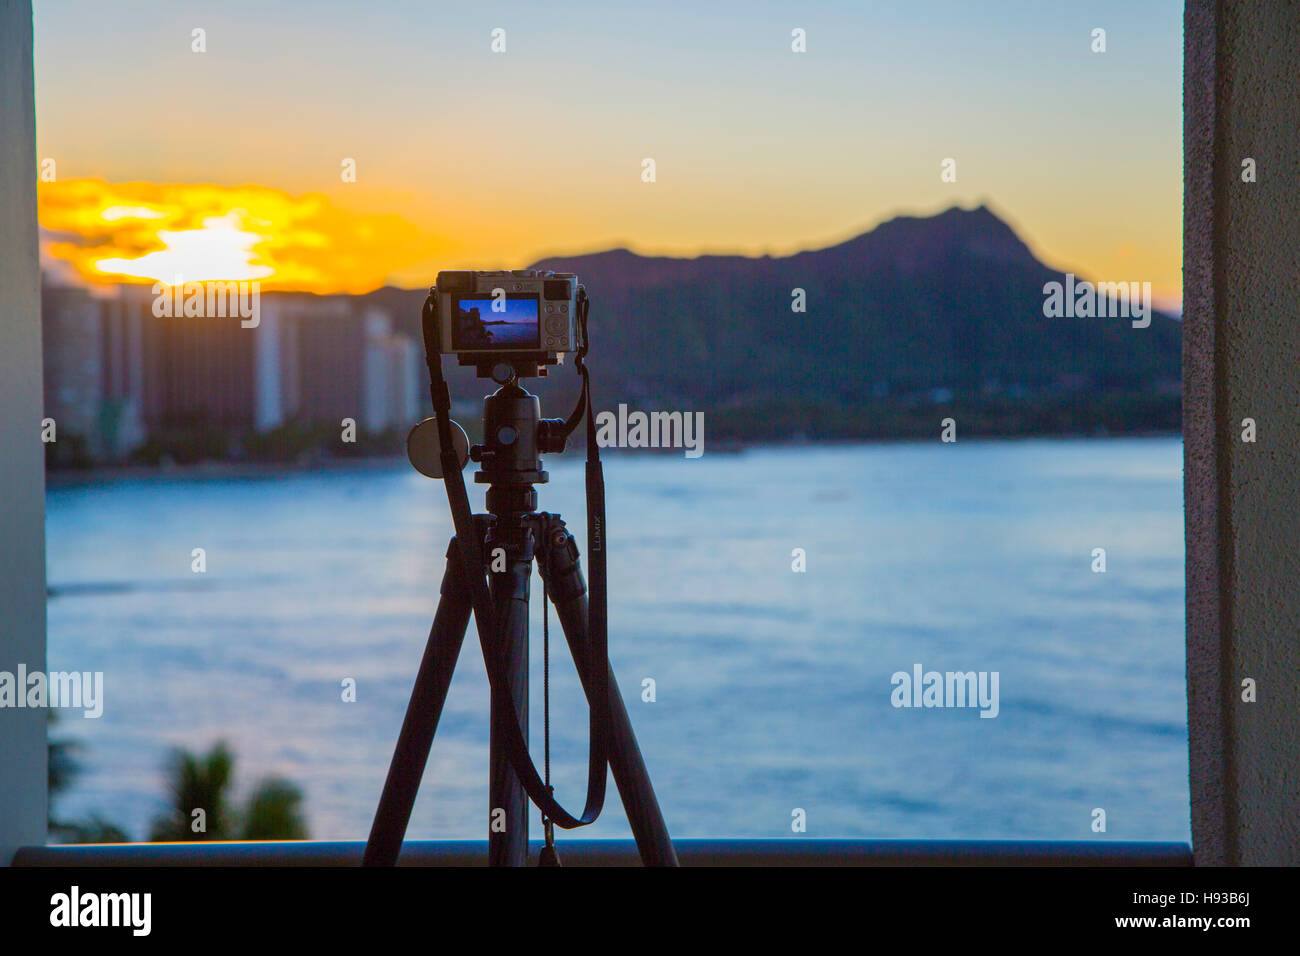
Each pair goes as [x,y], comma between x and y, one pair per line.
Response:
[774,689]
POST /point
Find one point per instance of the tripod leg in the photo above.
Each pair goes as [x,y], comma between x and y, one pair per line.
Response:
[508,803]
[422,713]
[567,589]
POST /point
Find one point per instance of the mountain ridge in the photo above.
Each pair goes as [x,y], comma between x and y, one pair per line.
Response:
[917,310]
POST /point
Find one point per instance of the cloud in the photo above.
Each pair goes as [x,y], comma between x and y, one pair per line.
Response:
[137,231]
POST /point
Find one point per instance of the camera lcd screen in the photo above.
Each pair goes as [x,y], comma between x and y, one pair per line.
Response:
[508,325]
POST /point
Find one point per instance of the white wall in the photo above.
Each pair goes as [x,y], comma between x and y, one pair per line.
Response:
[22,464]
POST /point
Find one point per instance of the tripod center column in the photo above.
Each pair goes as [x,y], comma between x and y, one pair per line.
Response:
[509,546]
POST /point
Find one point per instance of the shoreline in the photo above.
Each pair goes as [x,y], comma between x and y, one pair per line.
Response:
[72,477]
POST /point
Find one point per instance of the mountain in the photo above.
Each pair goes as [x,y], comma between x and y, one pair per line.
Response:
[947,307]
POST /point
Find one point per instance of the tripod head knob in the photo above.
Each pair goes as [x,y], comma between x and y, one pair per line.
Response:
[550,436]
[424,450]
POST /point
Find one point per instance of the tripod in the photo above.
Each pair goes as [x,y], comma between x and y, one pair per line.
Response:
[513,535]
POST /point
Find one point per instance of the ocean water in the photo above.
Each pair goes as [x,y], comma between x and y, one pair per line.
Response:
[772,687]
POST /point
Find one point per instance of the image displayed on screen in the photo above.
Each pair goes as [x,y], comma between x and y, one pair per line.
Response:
[513,325]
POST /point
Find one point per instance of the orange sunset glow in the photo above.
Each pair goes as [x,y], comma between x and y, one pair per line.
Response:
[144,232]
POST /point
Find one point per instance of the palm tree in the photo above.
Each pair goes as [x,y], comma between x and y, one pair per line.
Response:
[198,787]
[273,812]
[202,783]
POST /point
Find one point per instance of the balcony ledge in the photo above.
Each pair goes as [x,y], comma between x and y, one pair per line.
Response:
[793,852]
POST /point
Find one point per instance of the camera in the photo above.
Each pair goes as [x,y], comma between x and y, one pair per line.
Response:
[524,317]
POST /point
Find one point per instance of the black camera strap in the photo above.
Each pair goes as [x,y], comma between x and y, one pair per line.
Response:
[469,549]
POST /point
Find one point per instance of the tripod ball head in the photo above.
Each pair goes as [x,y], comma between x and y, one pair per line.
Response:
[513,439]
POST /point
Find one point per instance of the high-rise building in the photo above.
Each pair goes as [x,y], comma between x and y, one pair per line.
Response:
[389,376]
[198,371]
[121,428]
[116,372]
[71,343]
[322,349]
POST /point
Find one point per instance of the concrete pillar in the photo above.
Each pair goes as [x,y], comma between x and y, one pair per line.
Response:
[22,459]
[1241,360]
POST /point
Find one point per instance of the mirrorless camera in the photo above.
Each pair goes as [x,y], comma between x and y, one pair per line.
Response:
[522,318]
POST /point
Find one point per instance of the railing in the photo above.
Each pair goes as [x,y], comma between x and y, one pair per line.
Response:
[796,852]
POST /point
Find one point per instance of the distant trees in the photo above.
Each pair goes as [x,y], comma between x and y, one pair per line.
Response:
[202,810]
[201,805]
[291,442]
[63,769]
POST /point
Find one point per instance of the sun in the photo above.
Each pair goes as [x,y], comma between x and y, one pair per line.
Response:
[219,249]
[113,233]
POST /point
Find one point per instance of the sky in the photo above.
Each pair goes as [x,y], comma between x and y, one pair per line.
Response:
[231,163]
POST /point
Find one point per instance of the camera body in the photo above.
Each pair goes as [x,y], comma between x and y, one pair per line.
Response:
[524,317]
